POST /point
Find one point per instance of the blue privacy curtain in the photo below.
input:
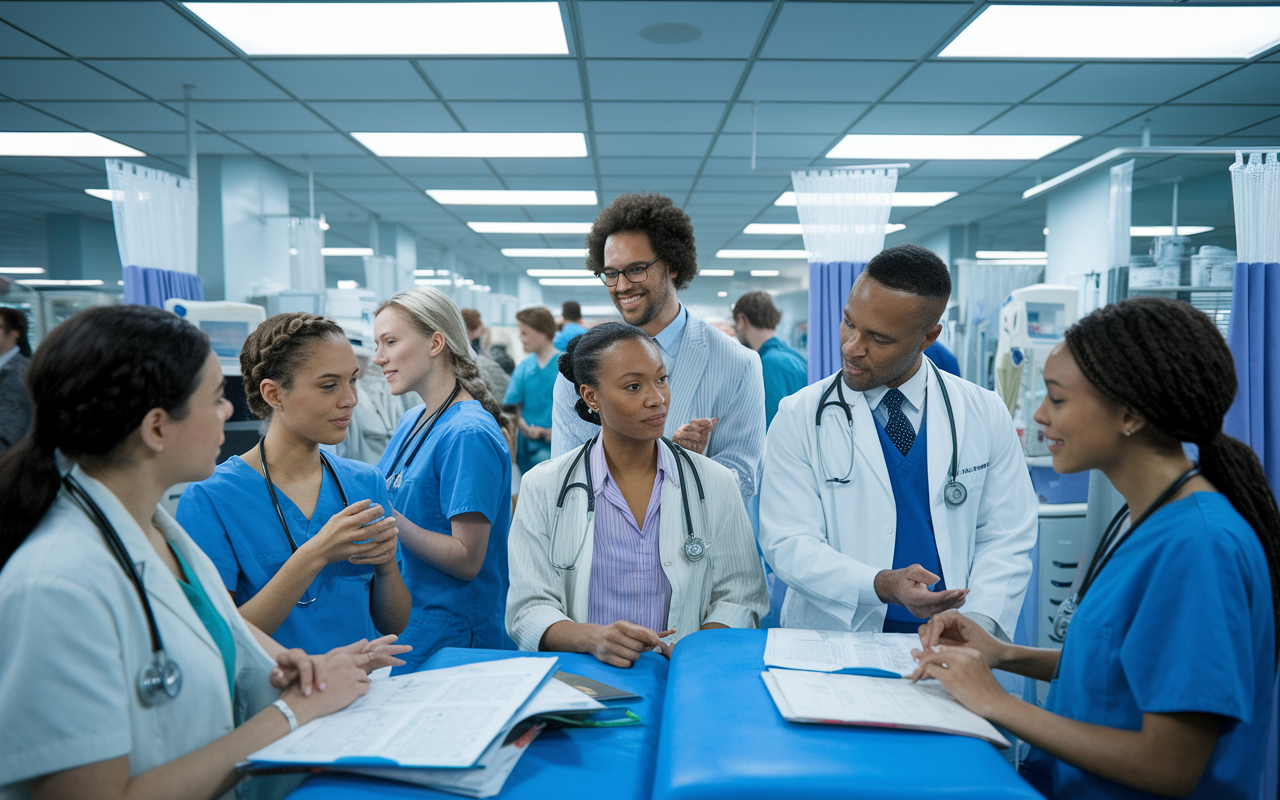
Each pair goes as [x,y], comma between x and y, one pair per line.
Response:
[829,286]
[147,286]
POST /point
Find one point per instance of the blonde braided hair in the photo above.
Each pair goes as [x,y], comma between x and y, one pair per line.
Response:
[277,348]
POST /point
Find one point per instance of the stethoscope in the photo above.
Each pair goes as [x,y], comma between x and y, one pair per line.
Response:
[694,547]
[953,493]
[1111,541]
[161,680]
[393,477]
[275,501]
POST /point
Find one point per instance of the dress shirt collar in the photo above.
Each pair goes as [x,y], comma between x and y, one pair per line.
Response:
[669,337]
[913,390]
[600,474]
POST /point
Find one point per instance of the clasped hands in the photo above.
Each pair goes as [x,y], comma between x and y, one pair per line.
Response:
[296,668]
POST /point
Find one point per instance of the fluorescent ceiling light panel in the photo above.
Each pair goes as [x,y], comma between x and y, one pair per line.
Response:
[424,273]
[762,254]
[1011,254]
[509,197]
[346,251]
[764,273]
[1167,230]
[544,252]
[530,227]
[388,29]
[433,282]
[794,228]
[42,282]
[1129,32]
[900,199]
[74,144]
[21,270]
[561,273]
[570,282]
[475,145]
[949,147]
[715,273]
[101,194]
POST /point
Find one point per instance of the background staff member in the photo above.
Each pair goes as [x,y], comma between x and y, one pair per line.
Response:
[616,581]
[642,247]
[15,354]
[531,387]
[853,516]
[132,396]
[283,532]
[448,470]
[1164,684]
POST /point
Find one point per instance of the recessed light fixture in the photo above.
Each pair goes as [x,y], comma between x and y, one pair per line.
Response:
[348,284]
[510,197]
[953,147]
[570,282]
[715,273]
[722,294]
[43,282]
[795,228]
[530,227]
[474,145]
[1011,254]
[793,254]
[900,199]
[544,252]
[764,273]
[64,144]
[433,282]
[21,270]
[388,29]
[1071,31]
[561,273]
[101,194]
[1167,230]
[424,273]
[346,251]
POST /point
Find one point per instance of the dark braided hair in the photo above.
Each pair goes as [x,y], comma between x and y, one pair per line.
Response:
[580,364]
[92,381]
[1166,361]
[276,349]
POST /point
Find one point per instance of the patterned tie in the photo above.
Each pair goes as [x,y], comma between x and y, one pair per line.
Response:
[898,427]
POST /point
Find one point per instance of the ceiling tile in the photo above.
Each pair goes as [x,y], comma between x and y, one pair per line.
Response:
[107,116]
[52,166]
[348,79]
[505,79]
[211,80]
[799,147]
[1270,127]
[926,118]
[292,144]
[175,144]
[1061,119]
[440,166]
[964,169]
[386,115]
[58,80]
[861,30]
[1254,84]
[840,81]
[656,117]
[652,144]
[17,117]
[343,182]
[648,166]
[515,116]
[113,29]
[829,118]
[975,82]
[1184,120]
[543,166]
[1129,83]
[232,116]
[773,184]
[334,165]
[663,80]
[727,29]
[16,44]
[647,183]
[566,182]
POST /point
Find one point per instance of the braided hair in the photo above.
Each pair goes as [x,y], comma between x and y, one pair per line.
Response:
[1166,361]
[580,364]
[93,380]
[277,349]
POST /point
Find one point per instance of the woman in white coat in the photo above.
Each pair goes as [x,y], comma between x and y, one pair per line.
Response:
[101,590]
[613,550]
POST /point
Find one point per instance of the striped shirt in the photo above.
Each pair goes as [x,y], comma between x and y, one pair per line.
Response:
[627,580]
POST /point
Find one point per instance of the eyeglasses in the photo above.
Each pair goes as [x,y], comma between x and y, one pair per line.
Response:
[636,273]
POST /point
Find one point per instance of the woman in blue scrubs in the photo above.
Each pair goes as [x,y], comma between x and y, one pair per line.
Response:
[532,386]
[448,470]
[1164,683]
[304,540]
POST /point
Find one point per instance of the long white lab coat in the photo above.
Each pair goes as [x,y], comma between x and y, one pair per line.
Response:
[827,541]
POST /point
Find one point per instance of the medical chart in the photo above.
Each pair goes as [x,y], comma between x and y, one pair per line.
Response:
[863,700]
[831,651]
[437,718]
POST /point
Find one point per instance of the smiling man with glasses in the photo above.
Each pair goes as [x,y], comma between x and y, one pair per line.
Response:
[642,248]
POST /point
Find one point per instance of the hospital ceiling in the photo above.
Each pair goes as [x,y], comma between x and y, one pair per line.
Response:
[669,117]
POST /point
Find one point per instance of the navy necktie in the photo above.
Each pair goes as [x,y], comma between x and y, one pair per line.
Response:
[898,426]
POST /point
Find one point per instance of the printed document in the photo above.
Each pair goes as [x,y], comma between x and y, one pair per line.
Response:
[832,651]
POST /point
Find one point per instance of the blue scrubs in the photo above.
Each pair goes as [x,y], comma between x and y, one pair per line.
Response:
[531,388]
[463,466]
[231,517]
[1180,620]
[786,372]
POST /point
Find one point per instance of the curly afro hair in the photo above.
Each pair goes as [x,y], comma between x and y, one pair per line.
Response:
[669,229]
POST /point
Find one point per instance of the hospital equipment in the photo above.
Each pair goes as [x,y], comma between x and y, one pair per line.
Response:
[1032,322]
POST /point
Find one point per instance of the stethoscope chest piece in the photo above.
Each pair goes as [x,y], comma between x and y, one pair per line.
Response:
[955,494]
[694,548]
[1062,619]
[159,681]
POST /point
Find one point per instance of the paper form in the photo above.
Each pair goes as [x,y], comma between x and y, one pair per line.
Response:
[863,700]
[830,651]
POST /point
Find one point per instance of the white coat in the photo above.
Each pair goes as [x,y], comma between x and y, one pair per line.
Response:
[726,585]
[827,541]
[74,637]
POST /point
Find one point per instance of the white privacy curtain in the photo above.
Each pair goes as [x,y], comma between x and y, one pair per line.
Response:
[1256,189]
[306,262]
[155,214]
[843,213]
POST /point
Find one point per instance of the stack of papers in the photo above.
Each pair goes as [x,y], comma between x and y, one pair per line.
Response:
[886,655]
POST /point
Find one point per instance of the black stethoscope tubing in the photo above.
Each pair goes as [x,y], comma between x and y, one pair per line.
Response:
[275,501]
[423,422]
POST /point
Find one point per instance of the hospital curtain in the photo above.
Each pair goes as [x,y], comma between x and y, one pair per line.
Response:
[306,261]
[843,214]
[1254,338]
[155,216]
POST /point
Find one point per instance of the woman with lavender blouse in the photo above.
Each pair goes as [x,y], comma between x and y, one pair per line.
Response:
[615,577]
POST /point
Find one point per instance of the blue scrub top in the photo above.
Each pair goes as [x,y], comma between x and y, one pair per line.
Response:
[1179,620]
[786,372]
[943,358]
[231,517]
[532,388]
[463,466]
[568,333]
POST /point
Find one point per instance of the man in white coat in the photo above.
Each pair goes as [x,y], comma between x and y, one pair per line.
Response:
[858,515]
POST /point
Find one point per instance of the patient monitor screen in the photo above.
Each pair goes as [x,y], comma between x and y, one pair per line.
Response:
[1046,320]
[226,338]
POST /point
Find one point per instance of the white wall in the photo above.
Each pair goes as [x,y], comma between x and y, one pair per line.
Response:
[255,250]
